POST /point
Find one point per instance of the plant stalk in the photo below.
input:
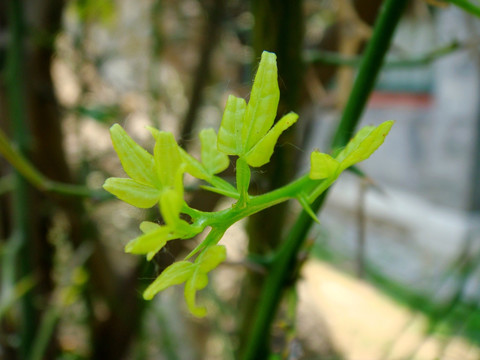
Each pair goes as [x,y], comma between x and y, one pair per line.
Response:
[22,227]
[335,58]
[35,177]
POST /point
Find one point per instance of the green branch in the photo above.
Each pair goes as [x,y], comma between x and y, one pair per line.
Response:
[21,202]
[467,6]
[280,271]
[36,178]
[334,58]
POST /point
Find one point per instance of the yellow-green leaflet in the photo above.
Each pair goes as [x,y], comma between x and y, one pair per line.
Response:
[364,144]
[212,257]
[176,273]
[230,132]
[156,236]
[152,241]
[322,165]
[198,170]
[261,153]
[246,130]
[193,166]
[193,274]
[133,192]
[262,107]
[197,281]
[150,175]
[213,160]
[136,161]
[170,205]
[148,226]
[167,156]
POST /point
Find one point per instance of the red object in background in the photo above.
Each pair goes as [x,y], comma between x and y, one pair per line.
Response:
[380,100]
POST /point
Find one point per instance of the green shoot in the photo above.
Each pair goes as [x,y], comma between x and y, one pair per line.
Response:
[246,132]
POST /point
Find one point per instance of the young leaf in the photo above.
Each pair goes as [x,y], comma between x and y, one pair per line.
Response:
[167,157]
[176,273]
[132,192]
[243,179]
[367,140]
[170,205]
[193,274]
[247,132]
[156,236]
[322,166]
[196,169]
[197,281]
[213,160]
[260,154]
[136,161]
[148,226]
[262,107]
[230,132]
[151,241]
[193,166]
[212,257]
[150,175]
[224,185]
[364,143]
[206,261]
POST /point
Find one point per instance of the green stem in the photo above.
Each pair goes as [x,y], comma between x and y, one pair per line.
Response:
[20,163]
[221,186]
[213,237]
[221,220]
[320,189]
[369,69]
[21,201]
[281,268]
[73,190]
[467,6]
[334,58]
[45,331]
[220,183]
[274,197]
[243,181]
[227,217]
[35,177]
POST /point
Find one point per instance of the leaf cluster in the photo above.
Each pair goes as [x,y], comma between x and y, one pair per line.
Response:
[247,131]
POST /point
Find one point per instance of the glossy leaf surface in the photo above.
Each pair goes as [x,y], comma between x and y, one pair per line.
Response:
[230,132]
[245,130]
[213,160]
[322,165]
[261,153]
[167,157]
[133,192]
[193,274]
[176,273]
[364,144]
[136,161]
[151,241]
[262,107]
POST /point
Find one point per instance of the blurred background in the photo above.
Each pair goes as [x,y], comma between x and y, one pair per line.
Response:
[392,272]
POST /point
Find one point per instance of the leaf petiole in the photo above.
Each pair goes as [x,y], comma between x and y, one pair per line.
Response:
[213,237]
